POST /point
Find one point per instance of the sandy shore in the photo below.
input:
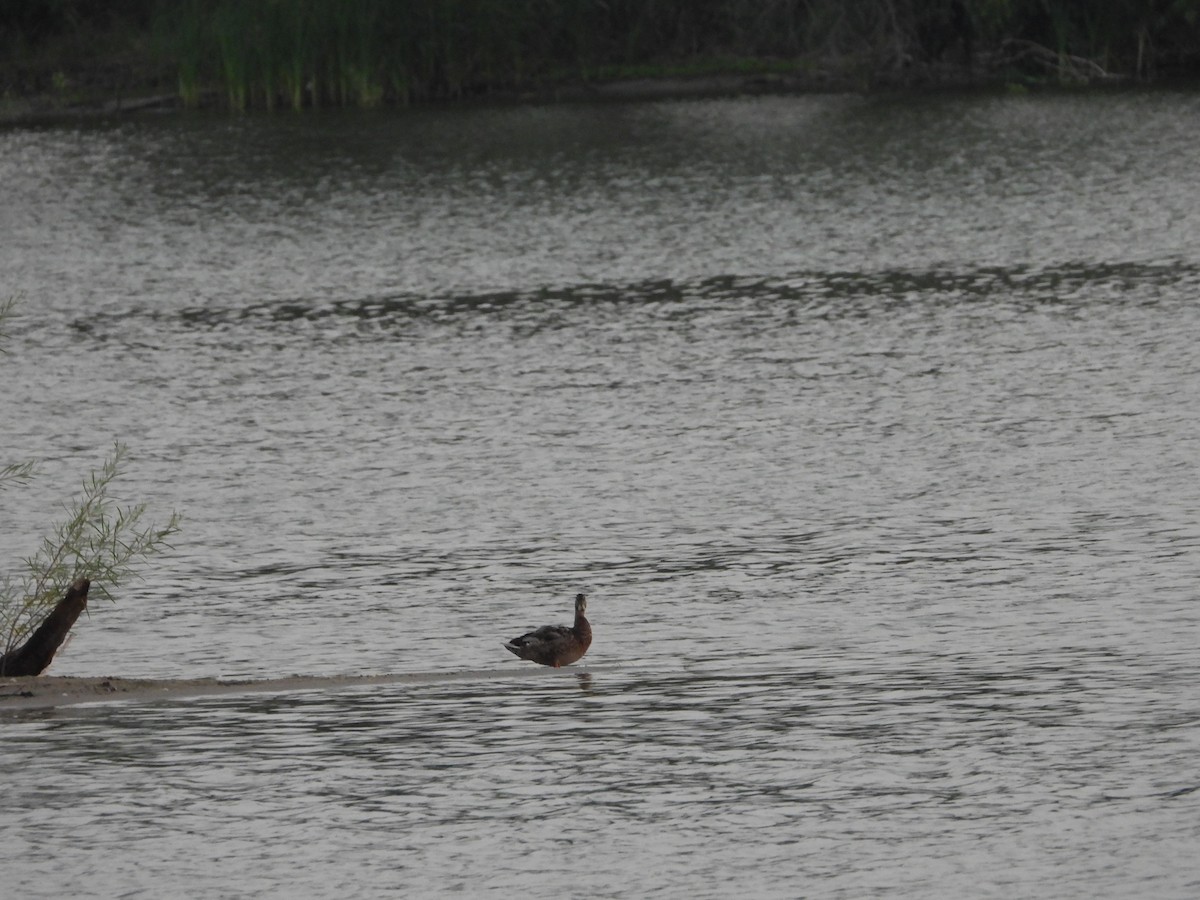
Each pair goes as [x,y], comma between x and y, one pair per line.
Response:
[57,690]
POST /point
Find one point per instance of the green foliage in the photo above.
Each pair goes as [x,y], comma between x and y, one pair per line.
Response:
[17,473]
[298,53]
[99,540]
[6,307]
[367,52]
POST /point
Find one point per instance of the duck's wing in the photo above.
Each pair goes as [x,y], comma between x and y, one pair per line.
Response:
[547,635]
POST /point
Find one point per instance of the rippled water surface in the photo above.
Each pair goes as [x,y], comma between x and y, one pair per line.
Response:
[869,426]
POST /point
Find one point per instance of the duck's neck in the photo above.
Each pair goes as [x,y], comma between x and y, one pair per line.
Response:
[582,627]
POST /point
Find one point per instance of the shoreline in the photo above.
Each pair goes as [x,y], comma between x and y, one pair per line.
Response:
[43,108]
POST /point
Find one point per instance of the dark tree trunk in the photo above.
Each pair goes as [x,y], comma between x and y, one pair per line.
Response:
[32,657]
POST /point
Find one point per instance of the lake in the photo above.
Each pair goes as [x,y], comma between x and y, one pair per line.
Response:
[869,425]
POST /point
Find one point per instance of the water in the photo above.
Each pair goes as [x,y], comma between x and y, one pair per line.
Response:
[868,425]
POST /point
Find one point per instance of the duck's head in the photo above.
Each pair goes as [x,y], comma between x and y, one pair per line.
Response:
[580,604]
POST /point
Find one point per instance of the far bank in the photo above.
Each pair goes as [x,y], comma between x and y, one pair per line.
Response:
[71,57]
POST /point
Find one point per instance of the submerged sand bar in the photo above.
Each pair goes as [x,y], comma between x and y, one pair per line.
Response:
[42,691]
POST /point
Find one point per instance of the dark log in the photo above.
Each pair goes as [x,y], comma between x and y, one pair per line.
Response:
[36,654]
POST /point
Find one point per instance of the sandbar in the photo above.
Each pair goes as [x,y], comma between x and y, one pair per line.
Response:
[41,691]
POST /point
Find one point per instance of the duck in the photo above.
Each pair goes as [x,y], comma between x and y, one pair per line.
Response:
[556,645]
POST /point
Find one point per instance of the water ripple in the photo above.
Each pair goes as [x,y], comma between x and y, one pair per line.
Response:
[869,425]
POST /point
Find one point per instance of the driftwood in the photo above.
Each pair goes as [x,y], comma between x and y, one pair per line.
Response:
[36,654]
[1068,68]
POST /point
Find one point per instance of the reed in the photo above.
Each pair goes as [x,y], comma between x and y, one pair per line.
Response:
[184,41]
[265,53]
[234,48]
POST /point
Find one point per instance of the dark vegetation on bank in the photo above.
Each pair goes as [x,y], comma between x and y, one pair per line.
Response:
[241,54]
